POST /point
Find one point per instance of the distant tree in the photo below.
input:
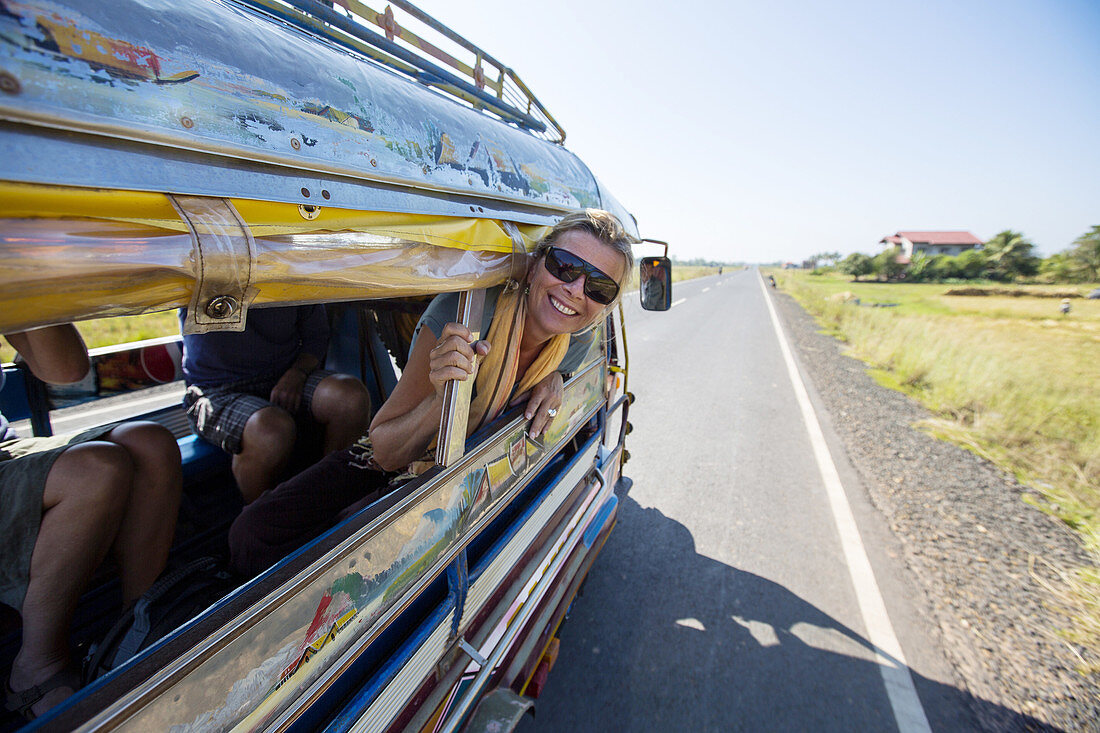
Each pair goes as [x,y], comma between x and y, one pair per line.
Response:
[1059,267]
[885,264]
[1009,256]
[918,267]
[940,268]
[969,265]
[1085,255]
[857,265]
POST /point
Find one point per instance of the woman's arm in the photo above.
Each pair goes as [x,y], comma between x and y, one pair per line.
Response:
[55,354]
[409,419]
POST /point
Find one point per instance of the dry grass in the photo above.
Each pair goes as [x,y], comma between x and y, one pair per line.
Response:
[120,330]
[1007,377]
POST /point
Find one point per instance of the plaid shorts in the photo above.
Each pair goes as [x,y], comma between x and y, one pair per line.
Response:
[218,414]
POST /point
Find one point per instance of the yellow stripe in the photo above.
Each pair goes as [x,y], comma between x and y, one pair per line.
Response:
[264,218]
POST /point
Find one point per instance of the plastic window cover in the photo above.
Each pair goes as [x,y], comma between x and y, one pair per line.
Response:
[75,254]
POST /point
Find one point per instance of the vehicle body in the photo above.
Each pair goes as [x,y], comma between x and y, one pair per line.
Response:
[158,156]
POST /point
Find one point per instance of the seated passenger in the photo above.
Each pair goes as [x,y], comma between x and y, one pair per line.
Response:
[249,392]
[65,503]
[576,277]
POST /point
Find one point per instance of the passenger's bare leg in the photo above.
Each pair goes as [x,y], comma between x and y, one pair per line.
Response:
[341,404]
[83,503]
[266,444]
[145,535]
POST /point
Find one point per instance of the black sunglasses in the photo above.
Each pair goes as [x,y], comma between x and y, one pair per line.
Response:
[567,267]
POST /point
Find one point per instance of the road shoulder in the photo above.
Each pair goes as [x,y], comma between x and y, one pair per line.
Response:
[965,533]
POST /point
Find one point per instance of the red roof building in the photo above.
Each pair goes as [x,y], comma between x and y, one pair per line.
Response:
[932,243]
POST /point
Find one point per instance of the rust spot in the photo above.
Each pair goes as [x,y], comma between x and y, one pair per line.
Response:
[187,122]
[9,84]
[295,144]
[374,162]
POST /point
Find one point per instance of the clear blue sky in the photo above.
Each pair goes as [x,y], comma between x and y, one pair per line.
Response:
[761,131]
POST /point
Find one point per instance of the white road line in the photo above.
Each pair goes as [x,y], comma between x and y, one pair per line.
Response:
[131,407]
[676,303]
[906,704]
[706,289]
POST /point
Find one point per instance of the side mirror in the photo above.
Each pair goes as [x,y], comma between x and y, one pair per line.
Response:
[655,283]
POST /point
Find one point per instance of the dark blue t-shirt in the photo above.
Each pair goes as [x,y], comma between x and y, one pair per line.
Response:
[271,341]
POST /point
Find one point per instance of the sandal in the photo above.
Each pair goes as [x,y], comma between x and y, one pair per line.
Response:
[23,702]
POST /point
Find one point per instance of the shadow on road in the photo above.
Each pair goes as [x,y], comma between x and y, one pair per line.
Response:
[665,639]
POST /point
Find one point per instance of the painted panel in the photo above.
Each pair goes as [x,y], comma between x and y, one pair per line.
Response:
[210,76]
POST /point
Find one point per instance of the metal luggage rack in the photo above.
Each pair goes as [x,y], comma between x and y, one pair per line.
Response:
[484,83]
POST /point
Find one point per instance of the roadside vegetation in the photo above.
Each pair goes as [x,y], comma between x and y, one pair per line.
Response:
[1007,257]
[118,330]
[1006,372]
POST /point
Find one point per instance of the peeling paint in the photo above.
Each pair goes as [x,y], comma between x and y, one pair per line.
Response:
[126,67]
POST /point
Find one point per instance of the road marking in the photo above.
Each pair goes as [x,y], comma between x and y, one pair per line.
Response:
[908,712]
[129,407]
[706,289]
[676,303]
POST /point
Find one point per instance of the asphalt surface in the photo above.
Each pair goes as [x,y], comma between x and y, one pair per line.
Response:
[723,599]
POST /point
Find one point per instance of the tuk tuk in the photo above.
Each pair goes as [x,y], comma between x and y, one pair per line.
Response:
[227,155]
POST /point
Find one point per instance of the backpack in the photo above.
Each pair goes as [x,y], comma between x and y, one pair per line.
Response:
[173,600]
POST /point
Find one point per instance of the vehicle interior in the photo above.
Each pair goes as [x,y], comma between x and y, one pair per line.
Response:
[370,340]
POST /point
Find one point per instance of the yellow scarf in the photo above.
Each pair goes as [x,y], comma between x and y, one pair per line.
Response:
[496,376]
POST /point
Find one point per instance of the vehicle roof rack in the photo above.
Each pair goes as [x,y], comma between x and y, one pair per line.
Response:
[483,83]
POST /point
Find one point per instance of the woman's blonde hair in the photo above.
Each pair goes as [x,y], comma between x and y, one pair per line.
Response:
[603,225]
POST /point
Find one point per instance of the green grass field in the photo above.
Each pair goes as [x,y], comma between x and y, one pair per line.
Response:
[1009,378]
[120,330]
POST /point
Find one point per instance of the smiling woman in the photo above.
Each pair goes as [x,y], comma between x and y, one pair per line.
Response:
[576,276]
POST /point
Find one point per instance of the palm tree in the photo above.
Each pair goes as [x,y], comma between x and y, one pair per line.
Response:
[1086,255]
[1010,256]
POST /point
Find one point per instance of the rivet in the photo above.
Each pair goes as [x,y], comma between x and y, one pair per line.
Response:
[295,144]
[221,307]
[9,84]
[325,194]
[305,192]
[187,122]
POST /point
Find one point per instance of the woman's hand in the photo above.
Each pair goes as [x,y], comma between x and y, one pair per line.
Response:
[287,392]
[454,357]
[545,396]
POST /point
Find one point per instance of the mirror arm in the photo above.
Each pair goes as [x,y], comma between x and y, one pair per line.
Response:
[656,241]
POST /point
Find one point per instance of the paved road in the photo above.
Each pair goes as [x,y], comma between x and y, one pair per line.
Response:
[725,597]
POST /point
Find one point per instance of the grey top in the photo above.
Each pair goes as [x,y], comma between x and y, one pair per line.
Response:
[444,309]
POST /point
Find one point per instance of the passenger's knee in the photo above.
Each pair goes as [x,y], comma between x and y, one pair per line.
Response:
[98,474]
[270,431]
[149,444]
[341,398]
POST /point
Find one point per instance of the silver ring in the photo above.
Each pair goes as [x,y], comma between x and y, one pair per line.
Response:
[551,412]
